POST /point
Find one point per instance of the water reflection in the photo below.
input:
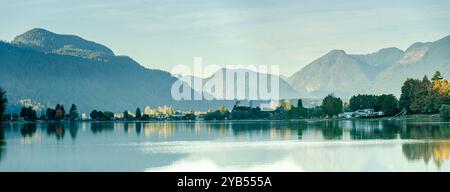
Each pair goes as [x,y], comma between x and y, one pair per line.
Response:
[331,130]
[439,151]
[56,129]
[362,130]
[160,129]
[2,141]
[73,130]
[28,130]
[426,131]
[435,135]
[138,127]
[99,127]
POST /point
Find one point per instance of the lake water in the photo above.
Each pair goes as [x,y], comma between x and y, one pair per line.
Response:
[325,145]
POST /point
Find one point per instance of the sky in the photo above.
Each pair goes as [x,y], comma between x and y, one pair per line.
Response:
[291,34]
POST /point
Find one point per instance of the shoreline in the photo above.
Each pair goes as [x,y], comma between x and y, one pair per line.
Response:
[414,116]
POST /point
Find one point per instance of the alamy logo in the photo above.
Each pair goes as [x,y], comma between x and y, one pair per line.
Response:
[232,82]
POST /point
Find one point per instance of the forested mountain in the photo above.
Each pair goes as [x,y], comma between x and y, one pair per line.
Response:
[49,68]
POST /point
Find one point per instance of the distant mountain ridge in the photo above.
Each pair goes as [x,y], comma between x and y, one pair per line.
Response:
[37,66]
[49,42]
[381,72]
[50,68]
[285,89]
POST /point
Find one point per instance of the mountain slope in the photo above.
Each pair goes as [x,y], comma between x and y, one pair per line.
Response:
[32,69]
[49,42]
[285,90]
[336,72]
[418,60]
[377,73]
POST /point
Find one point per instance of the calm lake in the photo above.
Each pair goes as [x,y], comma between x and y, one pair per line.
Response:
[313,145]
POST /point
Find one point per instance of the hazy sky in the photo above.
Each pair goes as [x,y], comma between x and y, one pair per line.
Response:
[161,34]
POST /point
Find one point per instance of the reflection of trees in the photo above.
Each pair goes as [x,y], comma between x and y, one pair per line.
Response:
[300,126]
[2,136]
[2,140]
[56,129]
[28,129]
[440,151]
[73,129]
[138,127]
[98,127]
[330,129]
[373,129]
[248,129]
[358,129]
[426,131]
[126,127]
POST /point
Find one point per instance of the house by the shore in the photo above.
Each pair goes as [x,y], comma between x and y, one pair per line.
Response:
[363,113]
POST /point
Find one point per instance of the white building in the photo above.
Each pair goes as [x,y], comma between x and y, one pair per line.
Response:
[118,115]
[84,116]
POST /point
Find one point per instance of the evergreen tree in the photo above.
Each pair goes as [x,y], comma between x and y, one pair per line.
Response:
[426,82]
[23,112]
[59,114]
[63,111]
[437,76]
[73,113]
[299,103]
[138,114]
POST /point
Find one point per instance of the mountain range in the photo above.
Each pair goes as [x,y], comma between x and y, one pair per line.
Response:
[381,72]
[286,91]
[51,68]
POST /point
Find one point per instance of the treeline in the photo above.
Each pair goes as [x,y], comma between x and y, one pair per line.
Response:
[330,107]
[58,113]
[97,115]
[417,96]
[101,115]
[388,104]
[51,114]
[425,96]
